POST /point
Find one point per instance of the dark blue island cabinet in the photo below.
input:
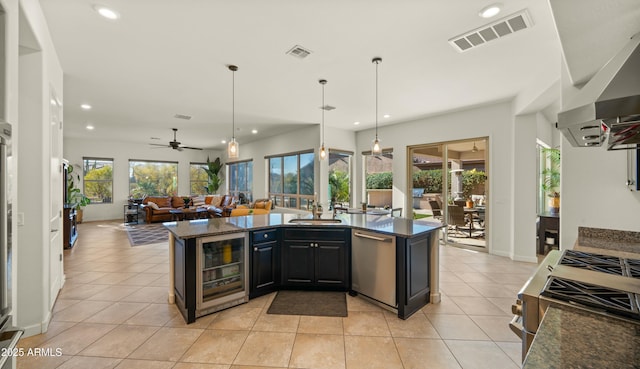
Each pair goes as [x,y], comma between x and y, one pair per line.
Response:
[219,263]
[316,258]
[414,272]
[264,262]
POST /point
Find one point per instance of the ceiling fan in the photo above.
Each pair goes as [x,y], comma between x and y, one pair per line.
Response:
[175,144]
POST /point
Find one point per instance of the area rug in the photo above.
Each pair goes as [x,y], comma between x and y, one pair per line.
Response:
[145,234]
[318,303]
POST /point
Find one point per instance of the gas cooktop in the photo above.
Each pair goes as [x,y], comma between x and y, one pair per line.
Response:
[603,282]
[601,263]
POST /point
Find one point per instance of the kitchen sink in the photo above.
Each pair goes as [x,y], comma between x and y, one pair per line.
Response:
[315,221]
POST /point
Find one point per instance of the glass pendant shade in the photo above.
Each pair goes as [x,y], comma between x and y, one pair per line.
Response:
[233,150]
[323,152]
[376,148]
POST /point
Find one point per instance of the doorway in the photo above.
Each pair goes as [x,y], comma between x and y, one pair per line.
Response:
[449,182]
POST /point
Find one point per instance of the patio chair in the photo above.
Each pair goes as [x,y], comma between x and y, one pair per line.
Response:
[435,209]
[457,222]
[396,212]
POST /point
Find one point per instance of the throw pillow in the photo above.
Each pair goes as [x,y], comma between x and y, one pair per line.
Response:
[153,205]
[197,201]
[215,201]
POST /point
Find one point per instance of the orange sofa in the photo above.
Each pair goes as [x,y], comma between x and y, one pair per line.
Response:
[262,206]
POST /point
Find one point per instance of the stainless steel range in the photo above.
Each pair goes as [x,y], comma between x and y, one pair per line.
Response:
[602,284]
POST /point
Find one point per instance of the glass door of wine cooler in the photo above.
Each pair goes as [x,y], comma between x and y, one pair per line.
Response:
[223,271]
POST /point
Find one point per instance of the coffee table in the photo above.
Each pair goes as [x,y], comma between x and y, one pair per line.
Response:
[189,213]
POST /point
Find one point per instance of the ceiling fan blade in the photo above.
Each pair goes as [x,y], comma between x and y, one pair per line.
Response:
[159,145]
[178,148]
[191,148]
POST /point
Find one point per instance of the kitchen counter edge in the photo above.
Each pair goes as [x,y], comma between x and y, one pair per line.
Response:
[382,224]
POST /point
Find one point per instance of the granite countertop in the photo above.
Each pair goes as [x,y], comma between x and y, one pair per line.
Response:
[607,239]
[574,338]
[376,223]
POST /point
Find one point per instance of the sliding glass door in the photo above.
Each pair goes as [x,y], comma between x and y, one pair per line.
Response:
[449,182]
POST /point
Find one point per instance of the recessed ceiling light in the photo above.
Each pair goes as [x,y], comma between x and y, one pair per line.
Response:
[90,127]
[106,12]
[254,131]
[85,106]
[490,11]
[224,141]
[386,116]
[356,123]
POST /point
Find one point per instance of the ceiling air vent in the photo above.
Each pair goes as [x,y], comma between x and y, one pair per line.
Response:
[299,52]
[182,116]
[327,107]
[492,31]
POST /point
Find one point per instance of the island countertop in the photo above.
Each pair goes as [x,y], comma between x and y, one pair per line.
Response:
[377,223]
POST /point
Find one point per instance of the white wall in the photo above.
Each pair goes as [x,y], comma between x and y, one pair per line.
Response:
[494,121]
[593,192]
[75,149]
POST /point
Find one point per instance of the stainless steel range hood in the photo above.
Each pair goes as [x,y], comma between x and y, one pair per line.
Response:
[608,105]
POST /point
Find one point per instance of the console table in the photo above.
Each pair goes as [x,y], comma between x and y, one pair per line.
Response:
[549,223]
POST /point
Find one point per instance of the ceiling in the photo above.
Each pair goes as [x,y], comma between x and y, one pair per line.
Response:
[167,57]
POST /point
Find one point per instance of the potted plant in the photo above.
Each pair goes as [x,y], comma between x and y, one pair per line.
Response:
[75,197]
[215,180]
[551,178]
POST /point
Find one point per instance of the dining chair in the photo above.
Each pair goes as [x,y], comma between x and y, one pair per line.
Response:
[435,209]
[456,221]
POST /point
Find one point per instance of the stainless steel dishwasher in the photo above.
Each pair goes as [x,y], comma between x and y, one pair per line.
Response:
[373,266]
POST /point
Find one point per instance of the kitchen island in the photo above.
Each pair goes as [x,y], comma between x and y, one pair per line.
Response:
[266,253]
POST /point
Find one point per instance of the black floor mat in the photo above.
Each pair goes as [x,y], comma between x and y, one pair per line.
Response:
[317,303]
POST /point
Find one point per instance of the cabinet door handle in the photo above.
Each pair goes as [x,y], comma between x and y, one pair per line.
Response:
[266,235]
[255,249]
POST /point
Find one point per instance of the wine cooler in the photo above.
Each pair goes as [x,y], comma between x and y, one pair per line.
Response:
[223,273]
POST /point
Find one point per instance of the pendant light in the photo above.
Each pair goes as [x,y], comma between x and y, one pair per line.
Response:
[233,151]
[376,149]
[323,151]
[475,149]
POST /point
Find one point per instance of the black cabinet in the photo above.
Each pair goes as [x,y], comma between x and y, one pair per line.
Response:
[316,258]
[414,289]
[264,262]
[69,227]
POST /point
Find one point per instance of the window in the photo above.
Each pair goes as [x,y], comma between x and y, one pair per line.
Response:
[198,179]
[241,180]
[378,178]
[340,176]
[291,179]
[98,180]
[152,178]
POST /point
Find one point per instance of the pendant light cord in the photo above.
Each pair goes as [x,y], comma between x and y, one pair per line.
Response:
[233,104]
[376,61]
[322,107]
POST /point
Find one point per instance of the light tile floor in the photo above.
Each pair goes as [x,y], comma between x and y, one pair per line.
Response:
[112,313]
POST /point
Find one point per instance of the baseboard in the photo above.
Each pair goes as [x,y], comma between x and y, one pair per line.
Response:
[35,329]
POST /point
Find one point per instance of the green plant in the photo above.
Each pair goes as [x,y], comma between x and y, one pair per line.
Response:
[215,180]
[470,181]
[551,172]
[339,185]
[75,197]
[430,180]
[382,180]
